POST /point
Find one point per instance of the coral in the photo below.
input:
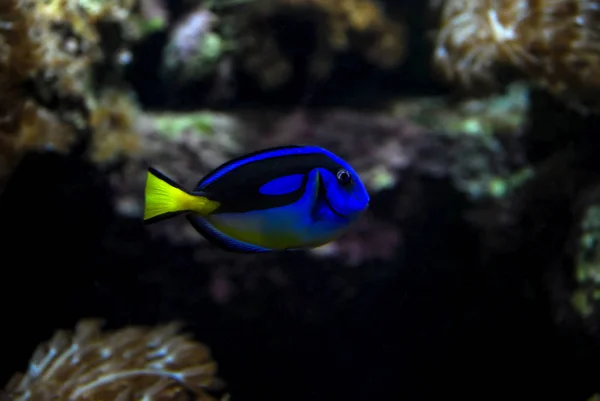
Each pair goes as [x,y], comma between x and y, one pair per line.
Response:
[40,129]
[113,120]
[359,25]
[35,128]
[51,51]
[504,113]
[70,44]
[476,37]
[154,15]
[553,43]
[586,296]
[194,49]
[549,228]
[18,61]
[126,364]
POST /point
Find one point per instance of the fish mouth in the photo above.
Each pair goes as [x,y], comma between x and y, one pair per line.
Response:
[322,196]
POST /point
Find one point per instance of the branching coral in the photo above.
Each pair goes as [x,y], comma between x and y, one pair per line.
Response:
[359,25]
[555,43]
[128,364]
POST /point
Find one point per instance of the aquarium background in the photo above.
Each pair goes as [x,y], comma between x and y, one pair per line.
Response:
[474,274]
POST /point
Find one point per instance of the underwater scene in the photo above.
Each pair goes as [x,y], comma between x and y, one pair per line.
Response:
[291,200]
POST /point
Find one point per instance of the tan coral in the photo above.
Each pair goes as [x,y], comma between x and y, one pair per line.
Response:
[19,59]
[555,43]
[126,364]
[477,37]
[567,44]
[69,42]
[48,52]
[40,129]
[113,119]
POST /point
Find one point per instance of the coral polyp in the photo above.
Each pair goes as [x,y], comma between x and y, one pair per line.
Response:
[567,43]
[134,362]
[554,43]
[476,37]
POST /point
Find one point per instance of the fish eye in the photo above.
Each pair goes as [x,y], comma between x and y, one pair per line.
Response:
[343,176]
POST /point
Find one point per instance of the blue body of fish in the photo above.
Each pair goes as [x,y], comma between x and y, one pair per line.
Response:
[283,198]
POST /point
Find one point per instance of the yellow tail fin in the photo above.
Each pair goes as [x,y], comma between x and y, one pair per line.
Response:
[164,198]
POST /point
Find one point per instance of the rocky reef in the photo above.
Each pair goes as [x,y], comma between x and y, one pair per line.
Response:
[475,272]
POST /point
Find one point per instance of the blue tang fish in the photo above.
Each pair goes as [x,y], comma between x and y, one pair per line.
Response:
[283,198]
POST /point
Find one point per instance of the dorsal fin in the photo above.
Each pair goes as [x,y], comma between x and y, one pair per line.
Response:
[256,156]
